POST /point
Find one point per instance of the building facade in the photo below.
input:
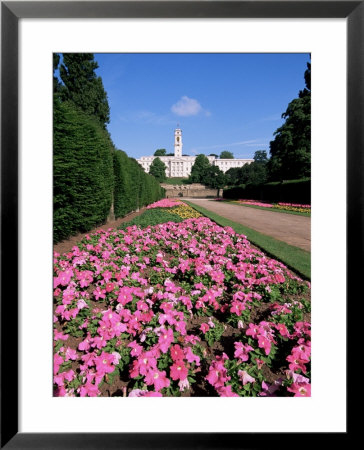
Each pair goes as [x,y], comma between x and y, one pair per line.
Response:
[180,166]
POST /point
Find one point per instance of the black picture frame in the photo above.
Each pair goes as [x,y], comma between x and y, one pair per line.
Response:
[11,12]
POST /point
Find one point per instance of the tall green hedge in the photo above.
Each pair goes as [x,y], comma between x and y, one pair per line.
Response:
[291,191]
[133,187]
[89,174]
[82,171]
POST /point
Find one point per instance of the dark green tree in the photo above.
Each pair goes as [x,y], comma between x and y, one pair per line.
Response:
[260,156]
[291,148]
[254,173]
[158,169]
[215,178]
[83,87]
[233,176]
[160,152]
[226,155]
[199,169]
[56,83]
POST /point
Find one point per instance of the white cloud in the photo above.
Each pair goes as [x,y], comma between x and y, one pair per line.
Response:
[188,107]
[250,143]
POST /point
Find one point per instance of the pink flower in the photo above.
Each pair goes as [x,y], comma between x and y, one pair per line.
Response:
[176,353]
[237,307]
[165,339]
[125,295]
[157,378]
[259,363]
[252,331]
[300,389]
[296,363]
[144,393]
[89,390]
[107,275]
[86,344]
[225,391]
[269,390]
[110,287]
[136,348]
[204,327]
[263,342]
[117,357]
[297,378]
[178,371]
[241,351]
[191,357]
[70,354]
[245,377]
[57,361]
[85,278]
[104,363]
[64,277]
[58,335]
[99,293]
[217,375]
[183,384]
[145,363]
[282,329]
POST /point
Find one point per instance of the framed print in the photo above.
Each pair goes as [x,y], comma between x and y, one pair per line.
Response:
[333,33]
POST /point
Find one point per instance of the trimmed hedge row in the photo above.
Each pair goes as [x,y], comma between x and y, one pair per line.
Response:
[292,191]
[89,175]
[133,187]
[83,179]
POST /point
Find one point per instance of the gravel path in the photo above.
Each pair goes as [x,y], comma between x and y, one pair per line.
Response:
[292,229]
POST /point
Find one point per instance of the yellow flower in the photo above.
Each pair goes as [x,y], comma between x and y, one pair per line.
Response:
[185,212]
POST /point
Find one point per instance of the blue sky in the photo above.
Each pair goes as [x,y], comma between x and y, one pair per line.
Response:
[221,101]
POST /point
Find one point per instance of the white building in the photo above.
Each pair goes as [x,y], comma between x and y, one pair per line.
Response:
[180,166]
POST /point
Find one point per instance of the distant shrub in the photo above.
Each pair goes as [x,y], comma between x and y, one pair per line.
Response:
[292,191]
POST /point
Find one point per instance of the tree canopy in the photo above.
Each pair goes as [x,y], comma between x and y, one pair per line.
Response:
[83,87]
[291,148]
[160,152]
[203,172]
[215,178]
[199,169]
[226,155]
[158,169]
[260,156]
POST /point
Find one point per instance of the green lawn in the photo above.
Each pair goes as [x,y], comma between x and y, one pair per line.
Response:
[293,257]
[152,216]
[175,180]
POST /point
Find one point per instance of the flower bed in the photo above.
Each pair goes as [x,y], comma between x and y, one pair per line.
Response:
[185,212]
[255,203]
[165,203]
[294,207]
[177,309]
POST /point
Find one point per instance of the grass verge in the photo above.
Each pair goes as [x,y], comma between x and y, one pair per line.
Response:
[293,257]
[153,216]
[175,180]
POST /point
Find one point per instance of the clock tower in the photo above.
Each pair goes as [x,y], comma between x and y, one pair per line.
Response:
[177,142]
